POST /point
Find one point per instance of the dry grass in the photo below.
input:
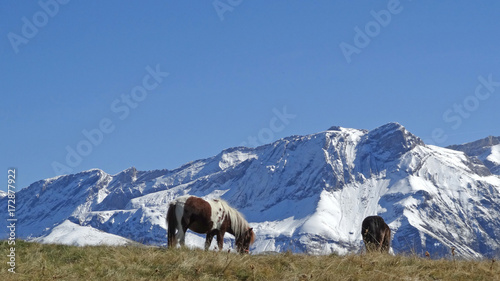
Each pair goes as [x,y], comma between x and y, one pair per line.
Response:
[56,262]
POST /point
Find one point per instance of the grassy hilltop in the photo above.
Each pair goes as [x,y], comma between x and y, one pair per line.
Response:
[57,262]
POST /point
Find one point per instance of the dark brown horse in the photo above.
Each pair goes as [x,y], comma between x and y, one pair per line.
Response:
[376,234]
[210,217]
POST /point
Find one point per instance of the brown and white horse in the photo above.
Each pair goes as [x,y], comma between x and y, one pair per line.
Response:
[376,234]
[210,217]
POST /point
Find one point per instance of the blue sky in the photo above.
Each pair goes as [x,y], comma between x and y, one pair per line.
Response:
[156,84]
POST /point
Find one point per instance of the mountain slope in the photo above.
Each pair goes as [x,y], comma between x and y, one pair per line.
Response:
[486,150]
[302,193]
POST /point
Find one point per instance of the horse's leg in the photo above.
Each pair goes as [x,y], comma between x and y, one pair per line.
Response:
[181,234]
[380,244]
[179,237]
[220,239]
[180,225]
[386,244]
[182,237]
[208,240]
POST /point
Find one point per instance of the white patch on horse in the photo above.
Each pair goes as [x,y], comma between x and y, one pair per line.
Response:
[218,213]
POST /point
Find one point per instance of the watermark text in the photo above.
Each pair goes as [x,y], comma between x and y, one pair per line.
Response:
[223,6]
[458,112]
[122,108]
[31,26]
[277,124]
[363,37]
[11,220]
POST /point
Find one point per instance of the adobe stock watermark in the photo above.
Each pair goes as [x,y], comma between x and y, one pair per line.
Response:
[223,6]
[277,123]
[31,26]
[456,114]
[11,218]
[121,107]
[363,37]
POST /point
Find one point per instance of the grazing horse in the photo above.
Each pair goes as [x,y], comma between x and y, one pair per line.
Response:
[210,217]
[376,234]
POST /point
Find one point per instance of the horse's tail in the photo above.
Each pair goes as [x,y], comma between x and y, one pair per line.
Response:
[172,224]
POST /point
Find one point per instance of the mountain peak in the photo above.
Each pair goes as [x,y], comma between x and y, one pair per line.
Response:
[389,127]
[129,174]
[345,130]
[335,128]
[392,140]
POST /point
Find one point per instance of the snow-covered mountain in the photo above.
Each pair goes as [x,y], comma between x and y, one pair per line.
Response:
[487,150]
[302,193]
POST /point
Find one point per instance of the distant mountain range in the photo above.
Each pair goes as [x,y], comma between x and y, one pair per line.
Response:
[301,193]
[487,150]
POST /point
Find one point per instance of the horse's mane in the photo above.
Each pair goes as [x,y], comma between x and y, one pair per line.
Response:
[238,222]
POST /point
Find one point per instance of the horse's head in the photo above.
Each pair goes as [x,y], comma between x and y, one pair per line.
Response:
[245,240]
